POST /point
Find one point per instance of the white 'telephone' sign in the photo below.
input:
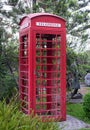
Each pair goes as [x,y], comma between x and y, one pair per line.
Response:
[45,24]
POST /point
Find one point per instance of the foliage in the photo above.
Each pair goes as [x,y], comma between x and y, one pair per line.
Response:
[8,56]
[8,69]
[71,57]
[86,105]
[13,119]
[77,18]
[77,111]
[83,68]
[83,61]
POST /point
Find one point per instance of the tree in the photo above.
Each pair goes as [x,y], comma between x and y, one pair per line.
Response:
[77,15]
[8,55]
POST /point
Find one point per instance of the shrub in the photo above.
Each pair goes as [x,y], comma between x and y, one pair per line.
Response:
[12,119]
[86,105]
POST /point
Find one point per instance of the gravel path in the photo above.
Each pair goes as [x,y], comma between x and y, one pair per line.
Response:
[72,123]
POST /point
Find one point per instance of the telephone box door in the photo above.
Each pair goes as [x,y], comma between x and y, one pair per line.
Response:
[47,67]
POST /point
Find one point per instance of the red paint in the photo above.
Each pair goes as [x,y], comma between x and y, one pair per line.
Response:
[42,65]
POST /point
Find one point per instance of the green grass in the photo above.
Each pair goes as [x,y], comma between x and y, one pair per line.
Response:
[77,111]
[12,119]
[88,88]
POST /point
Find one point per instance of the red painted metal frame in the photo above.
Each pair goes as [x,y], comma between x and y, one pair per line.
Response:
[40,99]
[62,95]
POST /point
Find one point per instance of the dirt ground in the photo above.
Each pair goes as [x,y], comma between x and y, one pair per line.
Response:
[84,89]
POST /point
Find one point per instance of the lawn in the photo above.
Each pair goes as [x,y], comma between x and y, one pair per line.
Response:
[76,110]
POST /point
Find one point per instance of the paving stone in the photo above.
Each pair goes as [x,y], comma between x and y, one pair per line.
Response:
[72,123]
[75,101]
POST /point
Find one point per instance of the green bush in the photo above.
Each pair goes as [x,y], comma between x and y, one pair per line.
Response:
[86,105]
[83,68]
[12,119]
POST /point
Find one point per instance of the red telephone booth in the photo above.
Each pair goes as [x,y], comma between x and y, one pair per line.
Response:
[42,65]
